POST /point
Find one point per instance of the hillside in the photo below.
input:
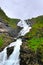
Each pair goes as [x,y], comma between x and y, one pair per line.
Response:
[32,48]
[11,22]
[36,33]
[9,25]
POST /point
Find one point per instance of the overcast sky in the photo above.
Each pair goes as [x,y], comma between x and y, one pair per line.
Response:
[22,8]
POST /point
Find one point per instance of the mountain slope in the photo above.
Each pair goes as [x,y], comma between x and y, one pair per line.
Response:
[7,38]
[6,19]
[32,48]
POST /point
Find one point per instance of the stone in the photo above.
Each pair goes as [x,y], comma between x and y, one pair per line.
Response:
[9,51]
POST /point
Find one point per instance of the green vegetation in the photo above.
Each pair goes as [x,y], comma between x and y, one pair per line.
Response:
[5,40]
[9,21]
[1,41]
[34,43]
[37,27]
[35,36]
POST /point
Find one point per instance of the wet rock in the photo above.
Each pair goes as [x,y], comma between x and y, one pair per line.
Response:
[14,32]
[9,51]
[29,22]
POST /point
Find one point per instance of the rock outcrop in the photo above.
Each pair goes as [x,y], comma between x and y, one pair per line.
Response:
[7,33]
[9,51]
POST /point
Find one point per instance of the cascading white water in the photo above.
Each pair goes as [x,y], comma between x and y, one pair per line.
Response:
[26,28]
[14,57]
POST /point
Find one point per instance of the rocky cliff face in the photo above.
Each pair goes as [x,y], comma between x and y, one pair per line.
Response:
[28,57]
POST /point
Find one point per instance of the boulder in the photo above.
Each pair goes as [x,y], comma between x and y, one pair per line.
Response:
[9,51]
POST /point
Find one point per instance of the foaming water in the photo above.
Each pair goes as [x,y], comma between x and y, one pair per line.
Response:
[14,57]
[26,28]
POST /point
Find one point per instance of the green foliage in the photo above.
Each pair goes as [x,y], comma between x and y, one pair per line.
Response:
[1,41]
[37,27]
[35,36]
[4,40]
[35,43]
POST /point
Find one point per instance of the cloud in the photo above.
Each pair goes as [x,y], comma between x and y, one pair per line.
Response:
[22,8]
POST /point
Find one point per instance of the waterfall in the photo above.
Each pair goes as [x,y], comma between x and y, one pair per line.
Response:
[14,57]
[26,28]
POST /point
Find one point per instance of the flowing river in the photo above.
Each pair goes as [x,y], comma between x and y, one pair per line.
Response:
[14,57]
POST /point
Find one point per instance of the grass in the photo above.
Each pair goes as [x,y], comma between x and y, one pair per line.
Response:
[34,43]
[1,41]
[4,40]
[35,36]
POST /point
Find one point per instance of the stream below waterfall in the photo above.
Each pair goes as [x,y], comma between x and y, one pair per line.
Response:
[14,57]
